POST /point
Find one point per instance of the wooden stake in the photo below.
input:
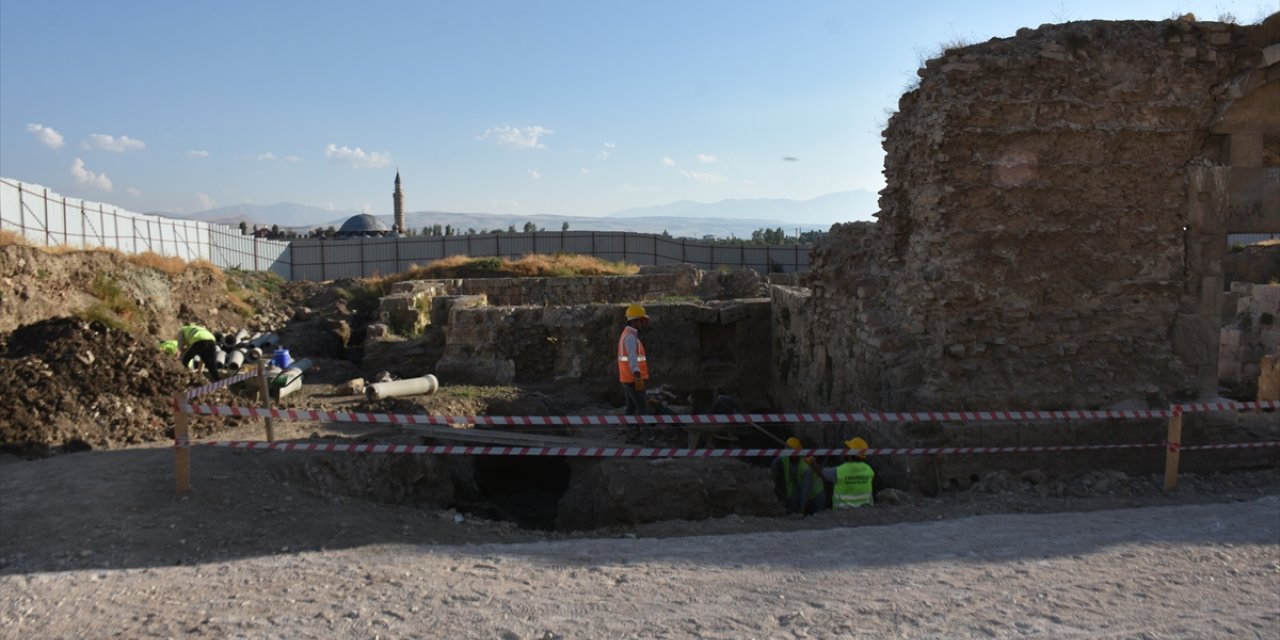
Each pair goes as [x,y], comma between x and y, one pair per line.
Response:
[1173,446]
[182,446]
[266,399]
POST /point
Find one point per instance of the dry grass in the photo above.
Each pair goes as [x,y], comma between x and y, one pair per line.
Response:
[9,237]
[165,264]
[560,265]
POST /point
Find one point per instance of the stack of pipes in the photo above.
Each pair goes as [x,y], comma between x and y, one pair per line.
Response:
[238,349]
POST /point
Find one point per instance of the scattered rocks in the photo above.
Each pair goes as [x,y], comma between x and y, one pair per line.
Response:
[75,385]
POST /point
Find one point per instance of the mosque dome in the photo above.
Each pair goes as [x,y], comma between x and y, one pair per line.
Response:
[363,225]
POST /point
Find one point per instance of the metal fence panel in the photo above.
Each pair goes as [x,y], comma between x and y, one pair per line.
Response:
[579,242]
[380,256]
[515,247]
[1234,239]
[420,250]
[44,217]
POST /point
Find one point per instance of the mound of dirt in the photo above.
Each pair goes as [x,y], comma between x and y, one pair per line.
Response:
[78,385]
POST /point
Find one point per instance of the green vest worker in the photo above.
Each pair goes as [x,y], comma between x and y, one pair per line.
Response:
[194,340]
[798,481]
[852,480]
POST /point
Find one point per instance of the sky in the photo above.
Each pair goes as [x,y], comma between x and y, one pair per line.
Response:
[520,107]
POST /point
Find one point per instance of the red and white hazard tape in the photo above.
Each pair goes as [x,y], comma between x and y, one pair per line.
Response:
[661,452]
[1201,407]
[315,415]
[1229,445]
[214,386]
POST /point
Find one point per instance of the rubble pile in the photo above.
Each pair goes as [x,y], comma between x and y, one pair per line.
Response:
[75,385]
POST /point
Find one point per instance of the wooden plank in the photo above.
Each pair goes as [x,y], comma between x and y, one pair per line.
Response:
[1172,454]
[182,448]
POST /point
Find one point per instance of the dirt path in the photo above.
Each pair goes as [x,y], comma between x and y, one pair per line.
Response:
[1197,571]
[97,545]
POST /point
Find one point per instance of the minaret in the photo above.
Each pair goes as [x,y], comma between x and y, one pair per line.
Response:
[398,197]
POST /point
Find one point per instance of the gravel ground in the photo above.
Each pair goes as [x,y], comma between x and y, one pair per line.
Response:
[96,545]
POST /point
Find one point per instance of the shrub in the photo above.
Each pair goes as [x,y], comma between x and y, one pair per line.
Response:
[114,307]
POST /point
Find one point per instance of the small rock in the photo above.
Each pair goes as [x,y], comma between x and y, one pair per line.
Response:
[892,496]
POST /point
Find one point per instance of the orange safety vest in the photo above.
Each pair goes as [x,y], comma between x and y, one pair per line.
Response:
[624,363]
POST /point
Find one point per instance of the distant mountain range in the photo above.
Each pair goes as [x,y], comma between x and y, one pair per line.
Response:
[684,218]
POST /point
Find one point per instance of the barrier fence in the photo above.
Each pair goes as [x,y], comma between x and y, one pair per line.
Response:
[182,407]
[46,218]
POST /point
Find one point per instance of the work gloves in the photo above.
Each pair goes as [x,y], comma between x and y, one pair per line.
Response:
[639,383]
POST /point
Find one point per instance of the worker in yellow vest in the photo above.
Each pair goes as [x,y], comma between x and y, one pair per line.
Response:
[633,369]
[851,481]
[195,340]
[799,481]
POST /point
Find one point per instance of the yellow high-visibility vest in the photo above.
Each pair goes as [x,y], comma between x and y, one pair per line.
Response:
[853,485]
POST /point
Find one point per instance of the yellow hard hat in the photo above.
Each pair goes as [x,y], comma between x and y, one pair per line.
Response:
[636,311]
[857,443]
[794,443]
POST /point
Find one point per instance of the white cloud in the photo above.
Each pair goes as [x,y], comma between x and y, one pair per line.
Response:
[197,154]
[608,150]
[706,158]
[668,161]
[261,156]
[46,135]
[535,174]
[584,171]
[205,200]
[358,158]
[111,143]
[134,191]
[516,138]
[709,177]
[292,159]
[86,177]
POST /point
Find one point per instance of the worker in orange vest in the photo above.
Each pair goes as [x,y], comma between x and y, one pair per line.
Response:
[633,368]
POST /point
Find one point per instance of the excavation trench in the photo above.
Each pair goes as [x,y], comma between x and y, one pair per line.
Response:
[543,493]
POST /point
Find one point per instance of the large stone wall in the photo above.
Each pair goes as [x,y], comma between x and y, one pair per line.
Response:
[695,347]
[1052,228]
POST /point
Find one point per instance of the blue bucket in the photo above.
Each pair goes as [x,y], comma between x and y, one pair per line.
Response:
[281,358]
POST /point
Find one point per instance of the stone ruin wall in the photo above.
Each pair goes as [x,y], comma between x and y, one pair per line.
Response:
[1030,250]
[710,331]
[1251,330]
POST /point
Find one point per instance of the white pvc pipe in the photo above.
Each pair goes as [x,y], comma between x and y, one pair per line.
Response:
[396,388]
[264,340]
[294,372]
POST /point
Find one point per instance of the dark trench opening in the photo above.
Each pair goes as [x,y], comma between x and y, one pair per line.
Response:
[525,491]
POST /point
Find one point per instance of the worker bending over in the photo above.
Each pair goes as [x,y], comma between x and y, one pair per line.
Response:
[195,340]
[851,481]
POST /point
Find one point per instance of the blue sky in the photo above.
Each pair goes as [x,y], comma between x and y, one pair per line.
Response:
[570,108]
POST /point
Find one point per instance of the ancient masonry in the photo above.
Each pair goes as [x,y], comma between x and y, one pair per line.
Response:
[1053,227]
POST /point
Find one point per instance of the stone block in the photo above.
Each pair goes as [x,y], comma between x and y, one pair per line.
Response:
[1269,378]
